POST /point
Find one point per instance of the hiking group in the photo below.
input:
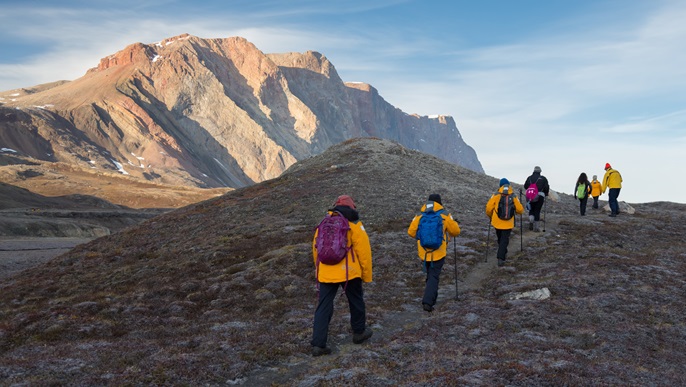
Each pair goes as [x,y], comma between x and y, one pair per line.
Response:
[612,180]
[343,257]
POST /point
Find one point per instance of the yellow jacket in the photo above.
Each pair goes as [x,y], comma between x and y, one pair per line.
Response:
[596,188]
[450,227]
[361,267]
[492,211]
[612,179]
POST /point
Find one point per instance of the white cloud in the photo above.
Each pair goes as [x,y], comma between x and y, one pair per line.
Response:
[615,89]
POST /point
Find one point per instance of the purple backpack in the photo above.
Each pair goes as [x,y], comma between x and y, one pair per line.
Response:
[332,239]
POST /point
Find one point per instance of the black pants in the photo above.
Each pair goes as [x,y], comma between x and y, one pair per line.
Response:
[324,312]
[433,272]
[536,208]
[595,202]
[582,205]
[612,198]
[503,241]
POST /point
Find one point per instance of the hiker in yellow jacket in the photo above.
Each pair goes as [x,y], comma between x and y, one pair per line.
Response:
[503,227]
[433,259]
[613,181]
[596,190]
[349,274]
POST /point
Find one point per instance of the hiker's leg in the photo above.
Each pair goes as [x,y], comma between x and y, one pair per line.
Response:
[583,205]
[595,202]
[322,316]
[432,274]
[503,241]
[358,314]
[612,198]
[536,208]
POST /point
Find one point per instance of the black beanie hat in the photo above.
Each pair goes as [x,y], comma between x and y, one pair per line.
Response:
[435,198]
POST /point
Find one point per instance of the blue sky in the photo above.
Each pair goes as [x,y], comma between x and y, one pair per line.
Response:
[567,85]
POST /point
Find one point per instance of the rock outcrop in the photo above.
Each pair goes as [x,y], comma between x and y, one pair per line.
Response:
[210,113]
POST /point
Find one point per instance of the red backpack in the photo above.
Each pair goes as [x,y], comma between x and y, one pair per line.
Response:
[332,239]
[332,242]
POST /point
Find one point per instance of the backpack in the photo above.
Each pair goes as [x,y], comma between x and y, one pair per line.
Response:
[532,192]
[332,239]
[430,229]
[506,206]
[581,191]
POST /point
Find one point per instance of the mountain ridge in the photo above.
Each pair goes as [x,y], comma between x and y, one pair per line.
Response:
[209,113]
[223,291]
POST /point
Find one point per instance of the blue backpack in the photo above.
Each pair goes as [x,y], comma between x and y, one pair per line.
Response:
[430,231]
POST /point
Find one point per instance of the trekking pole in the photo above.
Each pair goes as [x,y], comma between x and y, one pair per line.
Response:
[521,225]
[488,238]
[545,213]
[455,249]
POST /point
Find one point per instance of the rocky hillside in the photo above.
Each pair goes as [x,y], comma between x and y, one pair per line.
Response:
[209,113]
[222,292]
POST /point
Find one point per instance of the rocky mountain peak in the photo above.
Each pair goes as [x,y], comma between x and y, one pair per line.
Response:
[211,113]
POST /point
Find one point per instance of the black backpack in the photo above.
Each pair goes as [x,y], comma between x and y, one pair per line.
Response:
[506,206]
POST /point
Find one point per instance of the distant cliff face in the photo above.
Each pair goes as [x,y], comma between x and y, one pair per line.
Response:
[210,113]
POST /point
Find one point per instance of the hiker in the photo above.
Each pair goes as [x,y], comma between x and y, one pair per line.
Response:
[537,189]
[581,192]
[596,190]
[432,253]
[349,273]
[499,210]
[613,181]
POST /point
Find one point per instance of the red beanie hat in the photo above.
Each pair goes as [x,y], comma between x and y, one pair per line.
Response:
[607,166]
[345,200]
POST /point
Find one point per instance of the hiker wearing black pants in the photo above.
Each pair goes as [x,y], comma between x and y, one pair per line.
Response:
[503,227]
[536,204]
[613,181]
[581,192]
[433,259]
[349,274]
[596,190]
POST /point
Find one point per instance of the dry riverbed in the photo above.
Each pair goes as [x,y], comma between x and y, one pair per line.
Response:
[17,254]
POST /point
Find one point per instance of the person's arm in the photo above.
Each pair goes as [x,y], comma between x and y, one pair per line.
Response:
[490,207]
[605,178]
[363,250]
[414,225]
[314,247]
[519,208]
[451,226]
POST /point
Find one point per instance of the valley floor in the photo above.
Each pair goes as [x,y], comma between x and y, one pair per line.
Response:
[20,253]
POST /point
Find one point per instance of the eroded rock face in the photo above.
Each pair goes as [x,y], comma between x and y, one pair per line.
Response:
[210,113]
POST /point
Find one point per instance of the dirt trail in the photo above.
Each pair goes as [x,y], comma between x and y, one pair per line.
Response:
[410,317]
[476,276]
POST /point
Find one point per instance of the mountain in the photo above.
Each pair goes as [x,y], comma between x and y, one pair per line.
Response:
[209,113]
[222,292]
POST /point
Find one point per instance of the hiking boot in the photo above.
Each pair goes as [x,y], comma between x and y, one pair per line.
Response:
[428,307]
[319,351]
[612,215]
[531,226]
[359,338]
[536,227]
[501,262]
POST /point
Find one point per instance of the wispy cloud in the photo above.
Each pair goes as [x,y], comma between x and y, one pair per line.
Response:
[615,84]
